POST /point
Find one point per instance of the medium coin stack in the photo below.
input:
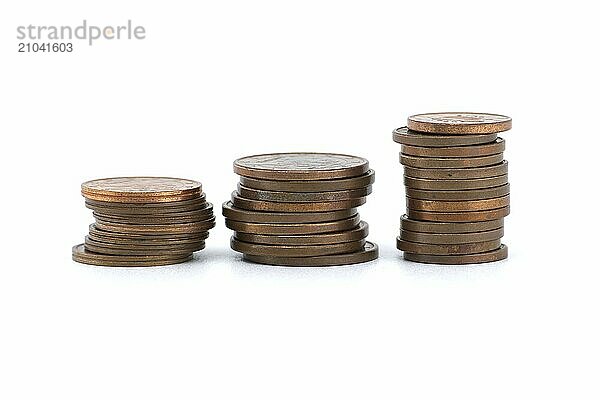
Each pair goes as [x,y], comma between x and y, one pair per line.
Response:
[300,209]
[457,189]
[144,221]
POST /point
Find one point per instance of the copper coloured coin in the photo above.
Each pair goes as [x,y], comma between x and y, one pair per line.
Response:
[173,218]
[81,255]
[293,229]
[454,184]
[458,173]
[302,197]
[140,189]
[369,252]
[447,249]
[449,227]
[257,205]
[358,233]
[489,256]
[413,138]
[451,238]
[98,233]
[459,123]
[456,195]
[469,162]
[238,214]
[456,206]
[300,166]
[467,216]
[194,227]
[195,204]
[295,251]
[132,250]
[480,150]
[328,185]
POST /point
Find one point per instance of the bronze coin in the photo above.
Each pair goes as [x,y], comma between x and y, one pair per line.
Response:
[301,197]
[447,249]
[459,123]
[295,251]
[300,166]
[172,218]
[456,206]
[467,216]
[81,255]
[451,238]
[132,250]
[458,173]
[358,233]
[455,184]
[369,252]
[194,227]
[479,150]
[469,162]
[328,185]
[458,195]
[408,224]
[413,138]
[195,204]
[313,228]
[140,189]
[256,205]
[237,214]
[490,256]
[148,240]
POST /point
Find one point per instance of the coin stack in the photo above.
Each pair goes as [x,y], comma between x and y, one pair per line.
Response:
[300,209]
[457,189]
[144,221]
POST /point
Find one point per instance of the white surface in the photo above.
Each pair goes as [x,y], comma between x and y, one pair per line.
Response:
[217,80]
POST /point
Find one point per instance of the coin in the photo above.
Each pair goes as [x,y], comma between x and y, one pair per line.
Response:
[490,256]
[456,195]
[455,184]
[300,166]
[301,197]
[480,150]
[311,186]
[461,123]
[447,249]
[133,250]
[172,218]
[256,205]
[470,216]
[458,173]
[469,162]
[408,224]
[369,252]
[413,138]
[451,238]
[358,233]
[238,214]
[456,206]
[140,189]
[145,208]
[193,227]
[144,239]
[81,255]
[295,251]
[293,229]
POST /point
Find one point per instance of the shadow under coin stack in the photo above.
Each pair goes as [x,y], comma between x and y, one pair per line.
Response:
[300,209]
[144,221]
[457,189]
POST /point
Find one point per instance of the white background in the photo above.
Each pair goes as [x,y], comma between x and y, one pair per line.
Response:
[217,80]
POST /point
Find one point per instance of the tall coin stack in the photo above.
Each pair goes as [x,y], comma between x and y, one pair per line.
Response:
[300,209]
[144,221]
[457,191]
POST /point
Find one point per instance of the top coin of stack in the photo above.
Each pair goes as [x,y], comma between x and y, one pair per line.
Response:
[144,221]
[299,209]
[457,189]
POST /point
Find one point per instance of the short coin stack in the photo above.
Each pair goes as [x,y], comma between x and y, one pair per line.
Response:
[300,209]
[144,221]
[457,189]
